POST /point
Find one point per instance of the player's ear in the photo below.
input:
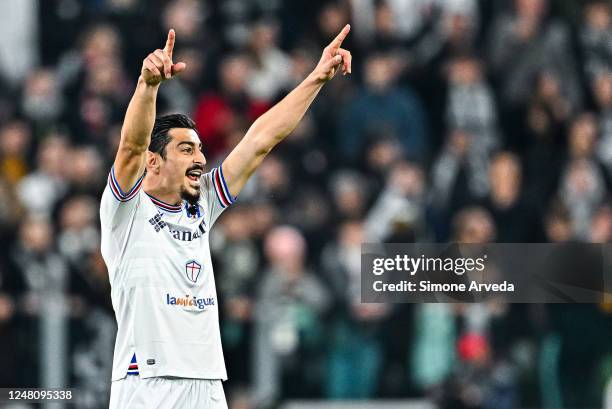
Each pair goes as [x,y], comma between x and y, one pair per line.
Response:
[152,162]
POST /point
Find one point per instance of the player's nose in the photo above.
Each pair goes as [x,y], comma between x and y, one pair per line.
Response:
[200,158]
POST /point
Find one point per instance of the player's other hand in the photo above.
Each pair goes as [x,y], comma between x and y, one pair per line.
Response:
[158,65]
[334,58]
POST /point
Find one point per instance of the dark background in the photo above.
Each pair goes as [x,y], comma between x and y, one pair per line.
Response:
[474,121]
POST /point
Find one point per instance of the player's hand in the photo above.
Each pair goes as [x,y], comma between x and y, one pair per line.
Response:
[158,65]
[334,58]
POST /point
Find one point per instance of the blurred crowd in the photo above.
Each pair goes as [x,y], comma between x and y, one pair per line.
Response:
[464,120]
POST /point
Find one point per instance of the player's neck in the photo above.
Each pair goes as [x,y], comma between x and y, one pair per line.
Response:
[154,187]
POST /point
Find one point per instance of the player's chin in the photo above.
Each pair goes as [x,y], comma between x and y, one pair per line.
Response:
[190,192]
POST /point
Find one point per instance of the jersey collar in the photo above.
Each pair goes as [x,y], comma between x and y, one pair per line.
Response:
[165,206]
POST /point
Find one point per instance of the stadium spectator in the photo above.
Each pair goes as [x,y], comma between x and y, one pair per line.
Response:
[459,177]
[596,39]
[42,188]
[42,101]
[602,88]
[217,112]
[398,215]
[44,273]
[84,170]
[290,302]
[524,43]
[382,106]
[582,189]
[515,219]
[181,95]
[236,251]
[470,104]
[15,140]
[543,145]
[349,194]
[558,223]
[356,353]
[270,65]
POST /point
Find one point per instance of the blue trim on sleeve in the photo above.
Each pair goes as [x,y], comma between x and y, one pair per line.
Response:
[226,189]
[118,192]
[215,188]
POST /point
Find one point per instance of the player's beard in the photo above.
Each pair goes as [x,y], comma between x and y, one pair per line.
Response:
[190,197]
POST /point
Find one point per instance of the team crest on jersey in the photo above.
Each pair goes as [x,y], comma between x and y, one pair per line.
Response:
[192,269]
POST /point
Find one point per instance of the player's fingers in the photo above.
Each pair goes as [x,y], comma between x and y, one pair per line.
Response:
[151,67]
[332,63]
[337,42]
[178,68]
[169,48]
[350,63]
[167,63]
[346,60]
[155,59]
[166,67]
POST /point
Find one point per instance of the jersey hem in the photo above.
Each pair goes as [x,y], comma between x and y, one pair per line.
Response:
[171,373]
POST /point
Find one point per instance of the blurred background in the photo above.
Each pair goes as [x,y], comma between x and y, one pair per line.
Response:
[463,120]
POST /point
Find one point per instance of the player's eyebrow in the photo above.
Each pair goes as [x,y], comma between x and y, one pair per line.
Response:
[192,144]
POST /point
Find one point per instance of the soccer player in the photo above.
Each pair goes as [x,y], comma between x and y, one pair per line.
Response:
[156,215]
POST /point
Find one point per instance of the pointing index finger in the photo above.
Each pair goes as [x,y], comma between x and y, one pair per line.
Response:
[170,43]
[337,42]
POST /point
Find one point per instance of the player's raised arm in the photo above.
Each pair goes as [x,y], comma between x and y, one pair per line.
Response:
[140,116]
[276,124]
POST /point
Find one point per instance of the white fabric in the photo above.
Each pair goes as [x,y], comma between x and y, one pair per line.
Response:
[166,393]
[167,313]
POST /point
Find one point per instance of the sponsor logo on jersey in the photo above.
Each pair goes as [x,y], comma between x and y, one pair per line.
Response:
[187,235]
[157,222]
[190,301]
[177,234]
[192,270]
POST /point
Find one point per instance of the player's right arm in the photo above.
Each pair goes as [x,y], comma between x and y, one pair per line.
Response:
[139,119]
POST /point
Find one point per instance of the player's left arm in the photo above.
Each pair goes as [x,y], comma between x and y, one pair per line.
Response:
[278,122]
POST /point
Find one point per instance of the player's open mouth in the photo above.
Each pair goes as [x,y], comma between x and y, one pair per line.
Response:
[194,175]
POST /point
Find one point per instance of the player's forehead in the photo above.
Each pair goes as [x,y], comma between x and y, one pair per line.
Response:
[184,135]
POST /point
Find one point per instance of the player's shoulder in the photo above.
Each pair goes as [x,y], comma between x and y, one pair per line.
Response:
[117,204]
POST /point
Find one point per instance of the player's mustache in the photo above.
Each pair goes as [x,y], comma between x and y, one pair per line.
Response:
[195,167]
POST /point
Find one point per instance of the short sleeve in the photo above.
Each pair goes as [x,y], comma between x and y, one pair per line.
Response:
[217,194]
[117,206]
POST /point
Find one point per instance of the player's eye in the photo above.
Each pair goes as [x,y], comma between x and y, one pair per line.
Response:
[187,149]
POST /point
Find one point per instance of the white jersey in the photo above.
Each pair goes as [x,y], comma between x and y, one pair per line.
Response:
[162,282]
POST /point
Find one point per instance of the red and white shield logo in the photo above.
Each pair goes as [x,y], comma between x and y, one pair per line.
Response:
[192,269]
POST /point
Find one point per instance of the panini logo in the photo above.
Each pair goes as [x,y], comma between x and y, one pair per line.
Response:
[190,301]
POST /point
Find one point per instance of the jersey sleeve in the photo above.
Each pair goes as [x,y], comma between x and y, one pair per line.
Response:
[117,206]
[218,197]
